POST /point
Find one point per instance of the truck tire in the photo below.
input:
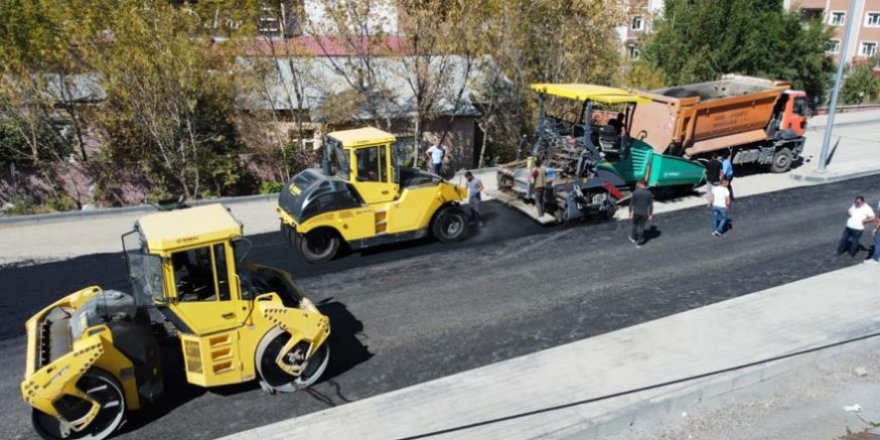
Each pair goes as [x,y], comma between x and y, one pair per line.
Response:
[103,388]
[781,160]
[450,224]
[318,246]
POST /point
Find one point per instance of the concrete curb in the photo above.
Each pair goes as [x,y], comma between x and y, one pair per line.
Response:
[104,212]
[829,177]
[677,400]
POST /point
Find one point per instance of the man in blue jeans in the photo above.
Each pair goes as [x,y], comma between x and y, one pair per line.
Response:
[475,189]
[720,201]
[860,214]
[435,156]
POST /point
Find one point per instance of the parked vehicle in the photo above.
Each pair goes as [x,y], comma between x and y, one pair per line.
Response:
[94,355]
[760,121]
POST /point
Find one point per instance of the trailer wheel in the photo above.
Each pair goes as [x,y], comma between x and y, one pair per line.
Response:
[317,246]
[781,160]
[98,385]
[277,379]
[505,183]
[450,224]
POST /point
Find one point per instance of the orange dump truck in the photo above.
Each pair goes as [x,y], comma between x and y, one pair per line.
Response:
[757,120]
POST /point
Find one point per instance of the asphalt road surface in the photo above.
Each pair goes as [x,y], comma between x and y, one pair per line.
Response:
[407,314]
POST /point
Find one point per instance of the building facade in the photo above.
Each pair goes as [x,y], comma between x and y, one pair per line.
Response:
[640,17]
[865,38]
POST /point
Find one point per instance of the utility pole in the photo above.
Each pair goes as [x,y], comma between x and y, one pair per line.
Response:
[832,109]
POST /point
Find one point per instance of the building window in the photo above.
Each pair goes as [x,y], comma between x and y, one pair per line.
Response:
[836,18]
[833,46]
[868,49]
[634,52]
[638,23]
[872,19]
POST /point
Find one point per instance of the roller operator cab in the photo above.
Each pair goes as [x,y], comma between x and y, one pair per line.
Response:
[95,354]
[364,198]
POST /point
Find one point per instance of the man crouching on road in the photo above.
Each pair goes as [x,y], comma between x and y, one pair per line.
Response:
[641,209]
[475,188]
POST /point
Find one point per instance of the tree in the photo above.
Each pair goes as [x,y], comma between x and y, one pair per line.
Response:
[862,83]
[277,72]
[169,98]
[699,40]
[545,41]
[42,74]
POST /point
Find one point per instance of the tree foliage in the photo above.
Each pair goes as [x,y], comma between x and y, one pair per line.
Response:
[862,83]
[699,40]
[536,41]
[141,93]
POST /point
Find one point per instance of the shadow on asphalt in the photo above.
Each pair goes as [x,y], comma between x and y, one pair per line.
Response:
[652,233]
[346,352]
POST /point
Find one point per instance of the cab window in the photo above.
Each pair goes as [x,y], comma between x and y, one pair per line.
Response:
[371,164]
[800,106]
[201,274]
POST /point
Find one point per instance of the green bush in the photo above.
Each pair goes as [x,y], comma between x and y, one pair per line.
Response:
[861,85]
[270,187]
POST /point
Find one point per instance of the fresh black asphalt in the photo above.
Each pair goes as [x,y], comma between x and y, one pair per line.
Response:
[406,314]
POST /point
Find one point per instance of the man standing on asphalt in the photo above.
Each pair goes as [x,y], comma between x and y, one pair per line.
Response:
[641,209]
[475,188]
[713,175]
[860,214]
[720,201]
[435,157]
[539,182]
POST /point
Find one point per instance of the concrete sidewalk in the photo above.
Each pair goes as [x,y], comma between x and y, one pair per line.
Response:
[804,314]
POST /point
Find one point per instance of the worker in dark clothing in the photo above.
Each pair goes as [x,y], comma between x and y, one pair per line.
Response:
[617,123]
[714,170]
[641,210]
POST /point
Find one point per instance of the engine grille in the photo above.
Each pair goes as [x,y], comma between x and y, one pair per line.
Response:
[193,356]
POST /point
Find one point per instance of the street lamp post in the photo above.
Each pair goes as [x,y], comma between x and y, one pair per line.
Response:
[832,109]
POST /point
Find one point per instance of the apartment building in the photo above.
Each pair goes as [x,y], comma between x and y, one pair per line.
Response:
[865,38]
[640,17]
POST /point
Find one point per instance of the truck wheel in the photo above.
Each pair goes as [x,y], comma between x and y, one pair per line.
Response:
[277,379]
[609,209]
[450,225]
[781,160]
[318,246]
[100,386]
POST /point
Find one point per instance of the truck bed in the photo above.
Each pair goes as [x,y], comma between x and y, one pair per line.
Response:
[697,118]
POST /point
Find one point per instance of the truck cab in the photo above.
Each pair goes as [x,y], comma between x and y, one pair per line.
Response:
[793,112]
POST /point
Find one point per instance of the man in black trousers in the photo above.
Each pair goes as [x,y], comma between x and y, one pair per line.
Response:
[641,209]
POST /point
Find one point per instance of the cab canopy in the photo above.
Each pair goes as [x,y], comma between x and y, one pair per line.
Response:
[167,231]
[589,92]
[362,136]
